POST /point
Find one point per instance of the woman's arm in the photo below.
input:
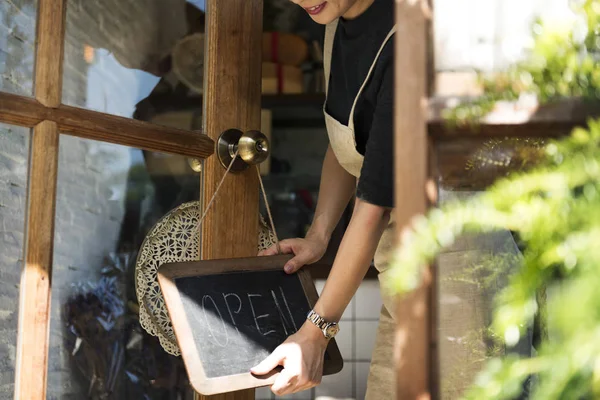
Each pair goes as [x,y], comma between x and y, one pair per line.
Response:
[353,259]
[301,354]
[336,189]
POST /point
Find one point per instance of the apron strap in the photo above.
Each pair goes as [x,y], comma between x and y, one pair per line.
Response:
[330,29]
[351,116]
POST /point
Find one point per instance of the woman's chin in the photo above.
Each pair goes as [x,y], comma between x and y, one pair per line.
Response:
[323,18]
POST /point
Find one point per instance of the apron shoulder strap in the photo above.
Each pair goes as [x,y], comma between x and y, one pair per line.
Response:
[328,49]
[388,37]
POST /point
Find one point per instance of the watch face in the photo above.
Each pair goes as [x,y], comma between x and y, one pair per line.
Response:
[332,330]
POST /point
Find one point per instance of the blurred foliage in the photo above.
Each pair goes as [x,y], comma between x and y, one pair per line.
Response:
[554,208]
[562,63]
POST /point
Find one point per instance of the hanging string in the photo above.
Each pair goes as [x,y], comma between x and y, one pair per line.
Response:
[214,196]
[264,192]
[262,187]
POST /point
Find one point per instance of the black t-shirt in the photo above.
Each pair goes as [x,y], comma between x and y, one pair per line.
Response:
[355,46]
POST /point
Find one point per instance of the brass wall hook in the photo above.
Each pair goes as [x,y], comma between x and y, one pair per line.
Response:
[195,164]
[252,147]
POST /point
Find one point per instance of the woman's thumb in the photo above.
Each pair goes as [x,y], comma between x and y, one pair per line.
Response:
[268,364]
[295,264]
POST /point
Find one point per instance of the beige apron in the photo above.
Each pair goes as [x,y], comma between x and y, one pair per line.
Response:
[381,382]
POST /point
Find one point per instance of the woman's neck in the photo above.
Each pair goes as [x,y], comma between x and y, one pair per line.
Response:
[359,7]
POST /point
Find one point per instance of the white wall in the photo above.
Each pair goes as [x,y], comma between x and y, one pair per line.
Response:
[488,34]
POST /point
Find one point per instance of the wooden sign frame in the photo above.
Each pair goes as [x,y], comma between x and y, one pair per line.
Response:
[167,273]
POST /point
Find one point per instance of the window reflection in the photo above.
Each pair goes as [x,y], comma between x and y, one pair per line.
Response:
[477,267]
[109,196]
[118,52]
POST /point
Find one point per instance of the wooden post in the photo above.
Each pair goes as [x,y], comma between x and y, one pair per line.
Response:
[412,347]
[232,99]
[34,307]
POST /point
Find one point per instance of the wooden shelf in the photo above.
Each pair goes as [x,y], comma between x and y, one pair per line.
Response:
[519,119]
[158,102]
[515,119]
[313,100]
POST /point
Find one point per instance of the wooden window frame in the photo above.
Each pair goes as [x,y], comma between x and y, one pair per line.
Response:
[49,118]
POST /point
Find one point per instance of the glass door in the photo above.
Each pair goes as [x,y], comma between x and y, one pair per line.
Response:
[88,166]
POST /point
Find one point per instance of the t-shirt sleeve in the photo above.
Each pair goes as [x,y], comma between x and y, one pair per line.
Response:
[376,183]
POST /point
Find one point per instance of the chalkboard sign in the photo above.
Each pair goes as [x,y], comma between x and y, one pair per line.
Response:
[228,315]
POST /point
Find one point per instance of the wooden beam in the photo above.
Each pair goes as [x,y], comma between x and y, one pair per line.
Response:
[130,132]
[35,289]
[49,56]
[25,111]
[21,110]
[413,333]
[232,96]
[233,43]
[34,309]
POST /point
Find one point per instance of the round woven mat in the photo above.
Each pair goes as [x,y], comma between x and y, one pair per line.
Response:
[174,238]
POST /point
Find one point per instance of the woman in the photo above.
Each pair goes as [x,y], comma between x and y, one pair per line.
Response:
[358,60]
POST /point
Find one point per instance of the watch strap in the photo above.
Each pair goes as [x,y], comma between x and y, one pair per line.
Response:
[316,319]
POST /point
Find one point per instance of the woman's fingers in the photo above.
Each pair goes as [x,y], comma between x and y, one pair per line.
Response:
[302,258]
[287,247]
[267,252]
[285,383]
[269,363]
[302,249]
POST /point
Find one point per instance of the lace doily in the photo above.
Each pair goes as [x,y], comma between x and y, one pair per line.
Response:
[174,238]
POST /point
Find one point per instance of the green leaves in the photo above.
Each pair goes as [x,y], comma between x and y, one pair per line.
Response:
[560,65]
[555,208]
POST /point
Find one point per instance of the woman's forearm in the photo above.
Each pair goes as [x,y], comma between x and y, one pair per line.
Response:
[353,259]
[336,189]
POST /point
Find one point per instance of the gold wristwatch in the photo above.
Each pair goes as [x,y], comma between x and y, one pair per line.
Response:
[329,329]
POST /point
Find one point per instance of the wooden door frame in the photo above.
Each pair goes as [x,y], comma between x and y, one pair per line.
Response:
[415,355]
[233,65]
[234,29]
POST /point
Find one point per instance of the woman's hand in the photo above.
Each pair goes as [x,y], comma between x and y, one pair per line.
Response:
[306,251]
[301,356]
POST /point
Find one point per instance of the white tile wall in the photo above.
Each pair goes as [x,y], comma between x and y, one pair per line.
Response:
[368,300]
[338,386]
[345,340]
[366,332]
[355,341]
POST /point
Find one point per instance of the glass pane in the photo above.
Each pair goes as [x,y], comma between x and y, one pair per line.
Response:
[120,56]
[14,154]
[477,267]
[488,35]
[17,45]
[109,197]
